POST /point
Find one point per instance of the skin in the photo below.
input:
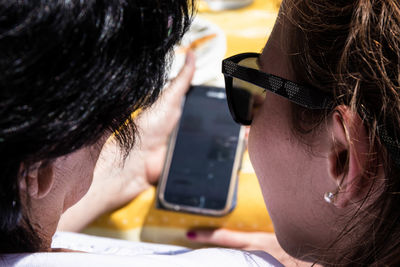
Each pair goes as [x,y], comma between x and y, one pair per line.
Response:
[294,174]
[293,180]
[281,174]
[285,187]
[116,183]
[55,187]
[50,190]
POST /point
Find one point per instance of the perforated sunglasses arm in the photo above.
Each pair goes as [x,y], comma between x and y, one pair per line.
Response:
[304,96]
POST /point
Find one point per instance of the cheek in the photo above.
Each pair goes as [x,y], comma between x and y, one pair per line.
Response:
[80,167]
[271,149]
[290,179]
[85,175]
[279,162]
[87,166]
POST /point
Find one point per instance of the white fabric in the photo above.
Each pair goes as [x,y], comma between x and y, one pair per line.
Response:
[113,252]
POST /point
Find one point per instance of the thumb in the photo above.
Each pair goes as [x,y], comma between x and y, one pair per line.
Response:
[181,83]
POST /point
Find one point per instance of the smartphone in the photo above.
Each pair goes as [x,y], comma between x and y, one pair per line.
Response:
[204,156]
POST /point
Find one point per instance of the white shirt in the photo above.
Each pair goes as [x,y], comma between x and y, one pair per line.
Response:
[113,252]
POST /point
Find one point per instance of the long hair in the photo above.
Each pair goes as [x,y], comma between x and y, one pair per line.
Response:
[352,50]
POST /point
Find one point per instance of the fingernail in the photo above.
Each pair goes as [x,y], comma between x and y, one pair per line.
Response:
[191,235]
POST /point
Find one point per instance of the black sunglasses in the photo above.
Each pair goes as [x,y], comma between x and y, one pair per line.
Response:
[246,85]
[245,88]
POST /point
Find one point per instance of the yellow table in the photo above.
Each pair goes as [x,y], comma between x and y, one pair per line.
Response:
[246,30]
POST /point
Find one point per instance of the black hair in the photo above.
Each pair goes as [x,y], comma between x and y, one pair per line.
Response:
[69,71]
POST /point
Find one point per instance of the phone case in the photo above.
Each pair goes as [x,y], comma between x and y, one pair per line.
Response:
[231,196]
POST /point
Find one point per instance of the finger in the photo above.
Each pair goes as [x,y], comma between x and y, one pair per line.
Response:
[220,237]
[181,83]
[155,162]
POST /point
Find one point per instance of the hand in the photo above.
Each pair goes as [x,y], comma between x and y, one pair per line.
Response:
[246,241]
[156,124]
[115,182]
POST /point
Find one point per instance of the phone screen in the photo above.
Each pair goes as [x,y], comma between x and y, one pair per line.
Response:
[204,153]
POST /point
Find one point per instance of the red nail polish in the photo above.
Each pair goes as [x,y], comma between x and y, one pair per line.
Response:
[191,235]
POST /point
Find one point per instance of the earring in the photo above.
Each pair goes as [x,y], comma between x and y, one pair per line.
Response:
[329,197]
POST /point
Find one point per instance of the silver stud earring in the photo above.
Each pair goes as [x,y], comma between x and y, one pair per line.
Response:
[329,197]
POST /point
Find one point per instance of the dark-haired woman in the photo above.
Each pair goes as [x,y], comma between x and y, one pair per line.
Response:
[71,74]
[325,131]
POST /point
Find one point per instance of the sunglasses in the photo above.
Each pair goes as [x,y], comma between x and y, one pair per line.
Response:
[246,88]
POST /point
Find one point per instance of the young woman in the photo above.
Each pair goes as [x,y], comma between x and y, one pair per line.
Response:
[324,110]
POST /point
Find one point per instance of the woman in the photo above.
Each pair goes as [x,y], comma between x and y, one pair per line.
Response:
[324,138]
[72,72]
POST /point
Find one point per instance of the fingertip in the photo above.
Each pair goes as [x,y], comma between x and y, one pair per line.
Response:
[191,235]
[186,74]
[183,80]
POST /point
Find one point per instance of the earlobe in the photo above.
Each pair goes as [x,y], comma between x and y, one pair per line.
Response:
[348,156]
[38,180]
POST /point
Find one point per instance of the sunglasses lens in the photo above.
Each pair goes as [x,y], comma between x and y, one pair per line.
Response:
[246,98]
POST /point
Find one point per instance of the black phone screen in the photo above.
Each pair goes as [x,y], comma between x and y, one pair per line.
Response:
[204,153]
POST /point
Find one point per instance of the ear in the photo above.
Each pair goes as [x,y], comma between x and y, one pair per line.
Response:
[38,179]
[348,156]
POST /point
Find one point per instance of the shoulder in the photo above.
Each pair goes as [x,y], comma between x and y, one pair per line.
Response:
[195,258]
[101,251]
